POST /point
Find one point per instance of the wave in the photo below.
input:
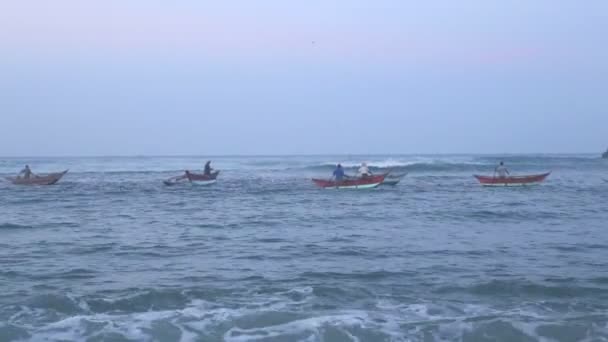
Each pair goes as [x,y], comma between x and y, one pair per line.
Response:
[527,288]
[278,317]
[14,226]
[125,166]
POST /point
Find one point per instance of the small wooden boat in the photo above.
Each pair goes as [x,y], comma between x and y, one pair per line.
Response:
[202,178]
[351,183]
[512,180]
[393,179]
[48,179]
[196,178]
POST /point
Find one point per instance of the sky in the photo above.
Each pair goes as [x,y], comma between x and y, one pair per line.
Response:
[196,77]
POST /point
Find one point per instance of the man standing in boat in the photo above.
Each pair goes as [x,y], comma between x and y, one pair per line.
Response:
[339,173]
[208,169]
[501,170]
[26,173]
[364,171]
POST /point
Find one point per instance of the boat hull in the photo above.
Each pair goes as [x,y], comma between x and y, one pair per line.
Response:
[393,179]
[355,183]
[512,180]
[201,179]
[193,178]
[50,179]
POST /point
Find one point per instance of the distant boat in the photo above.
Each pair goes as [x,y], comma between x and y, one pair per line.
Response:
[511,180]
[49,179]
[194,178]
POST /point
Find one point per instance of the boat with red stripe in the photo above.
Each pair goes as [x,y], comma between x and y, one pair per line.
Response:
[512,180]
[368,182]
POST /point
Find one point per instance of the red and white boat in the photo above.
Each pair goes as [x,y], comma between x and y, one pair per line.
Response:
[351,183]
[512,180]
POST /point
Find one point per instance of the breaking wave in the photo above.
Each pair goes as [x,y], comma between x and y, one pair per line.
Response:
[296,314]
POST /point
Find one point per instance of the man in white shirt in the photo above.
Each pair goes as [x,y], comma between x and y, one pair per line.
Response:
[502,171]
[364,170]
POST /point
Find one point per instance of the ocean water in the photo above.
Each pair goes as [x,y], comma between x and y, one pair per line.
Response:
[111,254]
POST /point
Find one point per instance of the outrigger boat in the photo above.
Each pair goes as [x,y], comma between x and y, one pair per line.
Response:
[351,183]
[195,178]
[48,179]
[391,179]
[511,180]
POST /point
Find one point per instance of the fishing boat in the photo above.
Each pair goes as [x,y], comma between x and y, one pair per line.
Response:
[391,179]
[512,180]
[194,178]
[351,183]
[48,179]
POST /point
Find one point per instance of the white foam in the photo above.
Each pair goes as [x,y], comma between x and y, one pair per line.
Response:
[378,164]
[396,320]
[404,162]
[307,325]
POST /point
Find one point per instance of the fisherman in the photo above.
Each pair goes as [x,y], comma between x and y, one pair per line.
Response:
[339,173]
[364,171]
[501,170]
[26,173]
[208,168]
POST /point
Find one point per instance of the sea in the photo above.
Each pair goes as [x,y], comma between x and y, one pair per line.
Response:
[112,254]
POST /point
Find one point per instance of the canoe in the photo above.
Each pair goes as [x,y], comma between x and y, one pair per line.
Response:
[199,177]
[393,179]
[351,183]
[191,177]
[512,180]
[48,179]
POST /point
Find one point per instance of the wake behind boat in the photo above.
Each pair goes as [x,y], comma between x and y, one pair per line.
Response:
[351,183]
[48,179]
[511,180]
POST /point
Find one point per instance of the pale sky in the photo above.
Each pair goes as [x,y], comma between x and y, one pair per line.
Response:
[152,77]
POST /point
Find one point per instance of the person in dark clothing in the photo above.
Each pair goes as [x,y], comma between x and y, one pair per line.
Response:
[339,173]
[208,168]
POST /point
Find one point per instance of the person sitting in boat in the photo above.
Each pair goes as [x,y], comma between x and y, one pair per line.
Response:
[339,173]
[364,171]
[501,170]
[26,173]
[208,168]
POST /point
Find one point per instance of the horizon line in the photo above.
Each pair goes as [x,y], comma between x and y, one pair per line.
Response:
[297,155]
